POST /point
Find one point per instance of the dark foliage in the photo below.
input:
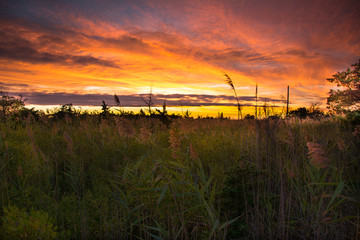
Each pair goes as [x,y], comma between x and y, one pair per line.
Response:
[348,97]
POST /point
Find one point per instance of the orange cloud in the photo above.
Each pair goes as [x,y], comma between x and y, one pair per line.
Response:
[125,47]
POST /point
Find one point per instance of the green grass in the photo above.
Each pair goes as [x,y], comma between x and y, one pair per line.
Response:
[122,178]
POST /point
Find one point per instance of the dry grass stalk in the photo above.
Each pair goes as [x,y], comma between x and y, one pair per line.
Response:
[19,171]
[31,136]
[2,134]
[69,143]
[124,127]
[2,140]
[187,125]
[290,172]
[317,155]
[30,118]
[104,125]
[175,142]
[341,144]
[35,148]
[55,128]
[44,119]
[356,131]
[68,119]
[145,133]
[84,128]
[193,154]
[156,167]
[43,155]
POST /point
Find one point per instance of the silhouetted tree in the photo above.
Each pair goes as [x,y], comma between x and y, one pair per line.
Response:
[301,112]
[348,98]
[248,116]
[221,115]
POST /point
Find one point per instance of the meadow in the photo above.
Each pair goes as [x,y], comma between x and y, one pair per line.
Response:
[140,177]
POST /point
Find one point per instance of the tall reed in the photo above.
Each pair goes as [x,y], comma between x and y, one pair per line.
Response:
[137,178]
[231,84]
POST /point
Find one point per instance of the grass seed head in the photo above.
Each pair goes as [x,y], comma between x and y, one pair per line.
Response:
[145,133]
[124,127]
[229,81]
[317,155]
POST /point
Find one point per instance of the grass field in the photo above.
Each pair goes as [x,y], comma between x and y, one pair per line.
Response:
[142,178]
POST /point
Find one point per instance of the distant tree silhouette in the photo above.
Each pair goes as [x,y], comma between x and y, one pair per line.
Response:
[248,116]
[303,112]
[221,115]
[348,98]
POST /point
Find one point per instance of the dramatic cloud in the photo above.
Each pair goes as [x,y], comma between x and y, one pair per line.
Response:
[88,51]
[15,47]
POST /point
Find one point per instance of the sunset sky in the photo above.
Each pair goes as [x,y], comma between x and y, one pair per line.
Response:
[82,52]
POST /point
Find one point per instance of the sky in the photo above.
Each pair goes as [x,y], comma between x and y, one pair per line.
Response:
[83,52]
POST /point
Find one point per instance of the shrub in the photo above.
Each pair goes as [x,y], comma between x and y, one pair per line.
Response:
[19,224]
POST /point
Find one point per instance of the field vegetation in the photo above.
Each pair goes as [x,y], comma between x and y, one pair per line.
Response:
[68,175]
[74,175]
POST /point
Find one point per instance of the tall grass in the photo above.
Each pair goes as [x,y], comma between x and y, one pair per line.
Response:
[119,178]
[229,81]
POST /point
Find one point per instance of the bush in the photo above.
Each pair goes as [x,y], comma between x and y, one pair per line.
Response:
[353,118]
[19,224]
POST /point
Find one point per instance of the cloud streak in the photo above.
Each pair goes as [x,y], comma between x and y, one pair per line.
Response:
[15,47]
[60,98]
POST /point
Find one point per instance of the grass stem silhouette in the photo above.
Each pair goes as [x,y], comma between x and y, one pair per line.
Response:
[231,84]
